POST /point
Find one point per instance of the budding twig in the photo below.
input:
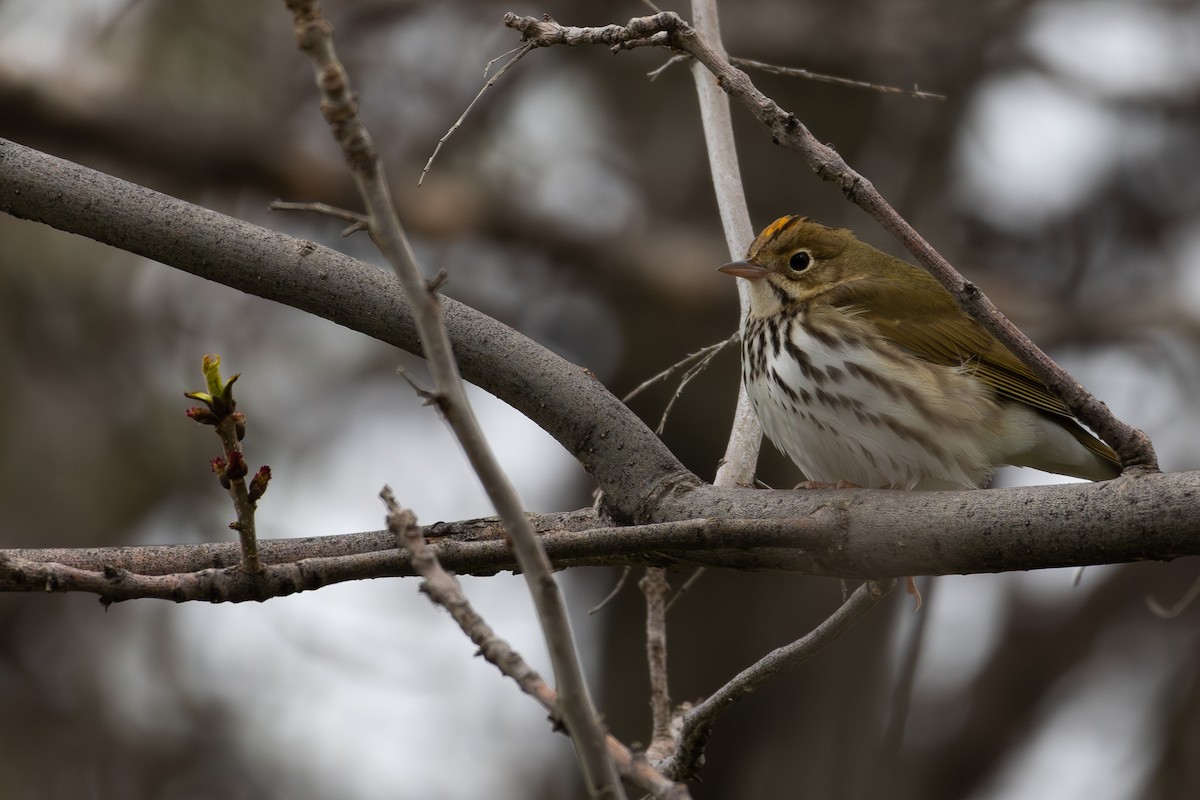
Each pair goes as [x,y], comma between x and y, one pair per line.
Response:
[219,410]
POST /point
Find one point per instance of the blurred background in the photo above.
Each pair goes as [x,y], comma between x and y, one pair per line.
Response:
[1061,173]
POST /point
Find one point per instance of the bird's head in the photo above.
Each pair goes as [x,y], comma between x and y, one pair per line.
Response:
[796,261]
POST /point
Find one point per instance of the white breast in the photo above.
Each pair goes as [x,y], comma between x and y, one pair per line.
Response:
[866,414]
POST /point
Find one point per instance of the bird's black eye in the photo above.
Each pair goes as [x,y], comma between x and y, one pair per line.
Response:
[800,260]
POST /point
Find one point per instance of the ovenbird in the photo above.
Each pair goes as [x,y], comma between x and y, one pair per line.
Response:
[862,368]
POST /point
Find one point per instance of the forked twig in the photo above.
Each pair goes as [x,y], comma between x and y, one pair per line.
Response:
[687,378]
[520,53]
[686,361]
[488,66]
[444,590]
[698,721]
[695,363]
[359,222]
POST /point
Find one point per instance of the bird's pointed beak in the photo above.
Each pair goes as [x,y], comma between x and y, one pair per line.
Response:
[744,269]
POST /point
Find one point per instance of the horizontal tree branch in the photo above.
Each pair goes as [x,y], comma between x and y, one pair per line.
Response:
[850,533]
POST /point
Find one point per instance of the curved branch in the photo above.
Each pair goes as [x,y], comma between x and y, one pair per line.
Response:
[631,464]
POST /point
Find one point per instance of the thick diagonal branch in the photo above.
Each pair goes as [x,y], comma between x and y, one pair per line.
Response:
[339,106]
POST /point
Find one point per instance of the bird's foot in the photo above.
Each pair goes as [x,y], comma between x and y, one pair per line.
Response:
[910,586]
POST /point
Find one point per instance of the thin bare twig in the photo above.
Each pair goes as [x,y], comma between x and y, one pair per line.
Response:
[698,722]
[488,66]
[695,364]
[339,106]
[687,378]
[670,62]
[520,53]
[358,222]
[796,72]
[686,586]
[616,590]
[686,361]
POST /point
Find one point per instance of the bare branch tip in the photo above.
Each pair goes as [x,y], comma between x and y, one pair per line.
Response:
[615,591]
[520,53]
[437,281]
